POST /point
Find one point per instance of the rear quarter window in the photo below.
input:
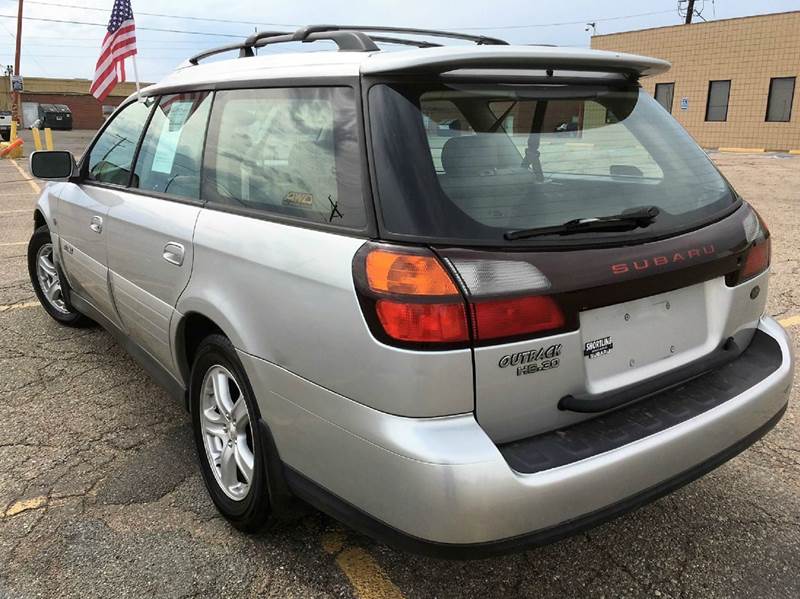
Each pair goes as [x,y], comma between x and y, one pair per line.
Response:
[290,152]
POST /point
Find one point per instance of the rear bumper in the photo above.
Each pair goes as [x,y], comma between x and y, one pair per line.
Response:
[441,486]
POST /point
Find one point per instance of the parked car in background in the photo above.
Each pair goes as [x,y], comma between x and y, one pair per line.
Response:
[5,125]
[466,299]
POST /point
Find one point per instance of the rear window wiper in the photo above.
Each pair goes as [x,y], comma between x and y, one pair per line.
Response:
[624,221]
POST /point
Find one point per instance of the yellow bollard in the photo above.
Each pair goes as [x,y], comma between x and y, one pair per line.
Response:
[37,139]
[13,131]
[48,138]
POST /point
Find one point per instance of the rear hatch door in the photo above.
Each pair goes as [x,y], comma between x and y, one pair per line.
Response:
[631,314]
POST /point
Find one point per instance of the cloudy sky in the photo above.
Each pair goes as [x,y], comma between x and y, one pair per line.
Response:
[69,49]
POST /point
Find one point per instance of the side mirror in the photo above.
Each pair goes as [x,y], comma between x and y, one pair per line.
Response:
[56,165]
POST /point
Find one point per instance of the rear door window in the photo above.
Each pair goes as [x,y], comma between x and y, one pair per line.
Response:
[289,152]
[111,157]
[170,159]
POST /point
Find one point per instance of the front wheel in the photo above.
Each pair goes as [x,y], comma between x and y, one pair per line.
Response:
[47,283]
[227,435]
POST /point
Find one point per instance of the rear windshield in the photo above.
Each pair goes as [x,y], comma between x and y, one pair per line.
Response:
[469,162]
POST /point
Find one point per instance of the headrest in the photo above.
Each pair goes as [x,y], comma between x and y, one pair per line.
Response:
[476,154]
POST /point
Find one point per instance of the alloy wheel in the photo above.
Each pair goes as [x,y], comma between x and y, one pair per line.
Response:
[49,280]
[227,432]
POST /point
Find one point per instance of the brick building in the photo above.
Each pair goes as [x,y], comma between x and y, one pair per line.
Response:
[733,82]
[87,112]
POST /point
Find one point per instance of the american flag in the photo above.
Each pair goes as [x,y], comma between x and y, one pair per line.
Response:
[118,44]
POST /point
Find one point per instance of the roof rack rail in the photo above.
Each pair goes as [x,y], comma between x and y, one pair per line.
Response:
[349,38]
[303,32]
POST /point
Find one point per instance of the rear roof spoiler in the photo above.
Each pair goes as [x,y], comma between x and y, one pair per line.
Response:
[435,61]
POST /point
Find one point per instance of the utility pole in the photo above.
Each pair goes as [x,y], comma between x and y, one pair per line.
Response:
[689,11]
[16,107]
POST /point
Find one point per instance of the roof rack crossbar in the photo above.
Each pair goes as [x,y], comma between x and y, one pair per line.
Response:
[347,41]
[244,49]
[303,32]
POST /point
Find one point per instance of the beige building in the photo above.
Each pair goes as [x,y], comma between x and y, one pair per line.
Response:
[733,82]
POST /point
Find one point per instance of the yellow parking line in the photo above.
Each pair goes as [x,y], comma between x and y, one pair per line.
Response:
[19,306]
[791,321]
[2,245]
[14,211]
[368,579]
[34,185]
[25,505]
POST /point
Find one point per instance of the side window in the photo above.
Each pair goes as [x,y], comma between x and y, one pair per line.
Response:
[664,95]
[111,156]
[779,101]
[171,156]
[717,103]
[289,151]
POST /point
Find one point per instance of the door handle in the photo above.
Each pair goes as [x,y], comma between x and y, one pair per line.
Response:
[97,224]
[173,253]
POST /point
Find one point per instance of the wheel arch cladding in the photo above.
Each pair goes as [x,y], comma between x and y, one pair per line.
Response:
[193,328]
[38,219]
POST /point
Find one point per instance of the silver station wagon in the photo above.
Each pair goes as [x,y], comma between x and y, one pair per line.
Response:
[466,298]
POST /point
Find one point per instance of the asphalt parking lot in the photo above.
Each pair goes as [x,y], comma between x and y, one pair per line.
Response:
[100,495]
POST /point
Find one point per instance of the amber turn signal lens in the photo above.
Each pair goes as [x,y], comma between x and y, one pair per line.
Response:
[757,260]
[407,274]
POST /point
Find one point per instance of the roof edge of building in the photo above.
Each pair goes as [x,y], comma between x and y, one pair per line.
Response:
[761,16]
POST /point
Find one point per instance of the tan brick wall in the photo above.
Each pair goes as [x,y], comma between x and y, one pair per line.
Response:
[748,51]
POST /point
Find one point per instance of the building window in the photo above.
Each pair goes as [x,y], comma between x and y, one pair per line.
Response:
[664,94]
[717,104]
[779,102]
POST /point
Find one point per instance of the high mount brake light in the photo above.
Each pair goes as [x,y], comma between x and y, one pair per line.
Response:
[410,299]
[757,260]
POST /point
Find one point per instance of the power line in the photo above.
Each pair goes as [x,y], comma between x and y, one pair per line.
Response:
[105,25]
[581,22]
[164,15]
[248,23]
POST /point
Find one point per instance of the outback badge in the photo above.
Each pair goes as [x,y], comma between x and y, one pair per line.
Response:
[533,360]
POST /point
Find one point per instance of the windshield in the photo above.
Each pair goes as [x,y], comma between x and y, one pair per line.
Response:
[470,163]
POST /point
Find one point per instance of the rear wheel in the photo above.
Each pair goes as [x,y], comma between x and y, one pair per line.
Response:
[47,281]
[227,435]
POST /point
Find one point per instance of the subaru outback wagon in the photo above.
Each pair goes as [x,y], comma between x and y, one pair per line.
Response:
[464,298]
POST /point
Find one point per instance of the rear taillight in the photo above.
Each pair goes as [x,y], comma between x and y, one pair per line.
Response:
[757,260]
[410,299]
[496,319]
[423,323]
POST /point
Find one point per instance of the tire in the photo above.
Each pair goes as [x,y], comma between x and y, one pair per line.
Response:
[57,305]
[245,504]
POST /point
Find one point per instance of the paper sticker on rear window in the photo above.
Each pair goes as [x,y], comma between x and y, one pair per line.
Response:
[298,198]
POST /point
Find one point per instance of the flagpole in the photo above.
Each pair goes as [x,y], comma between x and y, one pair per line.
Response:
[136,76]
